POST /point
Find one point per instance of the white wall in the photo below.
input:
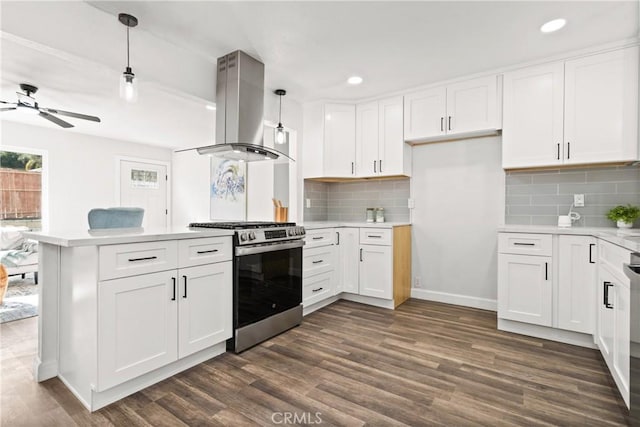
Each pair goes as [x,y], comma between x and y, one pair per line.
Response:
[458,188]
[81,169]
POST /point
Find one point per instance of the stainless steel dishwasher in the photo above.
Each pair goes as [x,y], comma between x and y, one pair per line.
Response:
[632,270]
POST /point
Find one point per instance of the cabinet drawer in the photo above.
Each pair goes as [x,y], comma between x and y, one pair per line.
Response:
[201,251]
[317,260]
[613,256]
[317,288]
[375,236]
[320,237]
[526,244]
[131,259]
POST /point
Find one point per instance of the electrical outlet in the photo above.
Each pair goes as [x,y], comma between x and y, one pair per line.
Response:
[411,203]
[308,203]
[578,200]
[416,282]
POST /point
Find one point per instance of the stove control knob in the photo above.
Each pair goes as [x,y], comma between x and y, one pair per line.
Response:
[291,232]
[252,235]
[301,231]
[243,237]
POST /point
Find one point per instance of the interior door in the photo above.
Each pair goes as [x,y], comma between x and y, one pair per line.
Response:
[144,185]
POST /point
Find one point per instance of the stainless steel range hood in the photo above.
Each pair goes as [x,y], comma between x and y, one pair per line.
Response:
[240,110]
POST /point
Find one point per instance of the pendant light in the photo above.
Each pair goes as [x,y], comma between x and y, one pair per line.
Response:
[128,82]
[280,136]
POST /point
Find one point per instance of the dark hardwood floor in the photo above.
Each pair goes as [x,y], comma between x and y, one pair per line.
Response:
[348,364]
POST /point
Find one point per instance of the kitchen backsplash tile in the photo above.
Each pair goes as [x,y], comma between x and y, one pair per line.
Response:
[348,201]
[538,197]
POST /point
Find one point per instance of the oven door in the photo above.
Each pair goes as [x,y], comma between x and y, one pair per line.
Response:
[267,281]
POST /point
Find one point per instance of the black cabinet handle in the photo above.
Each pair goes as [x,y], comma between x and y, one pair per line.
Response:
[316,290]
[185,286]
[208,252]
[449,122]
[142,259]
[352,168]
[606,294]
[546,271]
[337,238]
[380,165]
[317,262]
[558,151]
[568,150]
[591,246]
[360,254]
[317,238]
[173,298]
[372,236]
[374,166]
[441,124]
[523,244]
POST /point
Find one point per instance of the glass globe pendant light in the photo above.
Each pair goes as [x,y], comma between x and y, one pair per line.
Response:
[128,81]
[280,136]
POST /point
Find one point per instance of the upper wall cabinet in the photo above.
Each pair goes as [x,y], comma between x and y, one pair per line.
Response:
[574,112]
[380,147]
[329,141]
[465,109]
[345,141]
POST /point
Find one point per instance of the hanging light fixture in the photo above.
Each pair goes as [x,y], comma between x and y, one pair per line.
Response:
[128,82]
[280,136]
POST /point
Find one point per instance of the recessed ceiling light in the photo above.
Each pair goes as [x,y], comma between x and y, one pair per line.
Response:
[354,80]
[210,107]
[553,25]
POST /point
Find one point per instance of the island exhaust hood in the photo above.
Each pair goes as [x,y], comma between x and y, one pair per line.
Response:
[240,110]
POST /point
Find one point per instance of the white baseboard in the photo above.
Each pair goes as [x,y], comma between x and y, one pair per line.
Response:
[319,305]
[464,300]
[377,302]
[44,370]
[547,333]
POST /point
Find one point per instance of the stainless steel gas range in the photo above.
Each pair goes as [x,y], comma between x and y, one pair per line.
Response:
[267,279]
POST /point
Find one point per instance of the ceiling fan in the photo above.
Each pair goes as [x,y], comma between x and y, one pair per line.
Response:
[28,103]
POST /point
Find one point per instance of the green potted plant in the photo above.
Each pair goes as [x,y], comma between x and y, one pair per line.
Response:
[624,215]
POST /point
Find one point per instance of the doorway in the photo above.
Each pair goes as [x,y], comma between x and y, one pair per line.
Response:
[143,184]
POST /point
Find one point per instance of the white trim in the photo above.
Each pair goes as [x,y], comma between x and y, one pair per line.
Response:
[321,304]
[456,299]
[44,179]
[376,302]
[44,371]
[547,333]
[119,159]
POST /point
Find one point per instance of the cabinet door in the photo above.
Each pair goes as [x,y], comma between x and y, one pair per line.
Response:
[621,338]
[532,117]
[205,301]
[577,283]
[525,289]
[391,160]
[472,106]
[348,248]
[601,107]
[376,278]
[339,140]
[137,326]
[425,112]
[367,139]
[605,292]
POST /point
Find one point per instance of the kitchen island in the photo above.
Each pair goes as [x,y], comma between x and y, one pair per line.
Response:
[115,315]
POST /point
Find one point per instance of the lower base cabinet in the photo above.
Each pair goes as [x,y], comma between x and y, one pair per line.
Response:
[150,320]
[348,279]
[376,271]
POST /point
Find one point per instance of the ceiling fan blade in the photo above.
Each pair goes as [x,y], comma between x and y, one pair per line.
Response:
[70,114]
[5,102]
[8,109]
[55,120]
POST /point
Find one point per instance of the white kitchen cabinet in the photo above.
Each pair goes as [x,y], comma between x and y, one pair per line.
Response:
[205,304]
[376,271]
[464,109]
[533,113]
[606,316]
[525,288]
[579,111]
[601,107]
[577,273]
[137,326]
[319,270]
[339,140]
[317,288]
[348,272]
[367,139]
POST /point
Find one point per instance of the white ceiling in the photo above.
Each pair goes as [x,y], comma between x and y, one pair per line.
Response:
[75,52]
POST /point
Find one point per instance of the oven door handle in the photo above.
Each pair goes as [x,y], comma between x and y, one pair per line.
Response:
[268,248]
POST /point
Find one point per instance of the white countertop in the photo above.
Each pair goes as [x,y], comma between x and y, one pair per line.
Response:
[314,225]
[70,238]
[627,238]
